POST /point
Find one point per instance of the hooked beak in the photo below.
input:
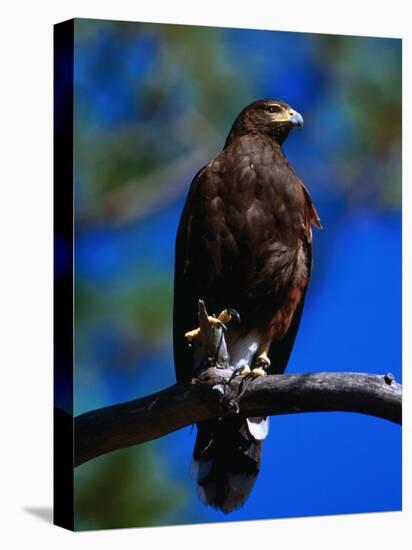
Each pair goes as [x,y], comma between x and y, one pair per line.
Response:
[296,119]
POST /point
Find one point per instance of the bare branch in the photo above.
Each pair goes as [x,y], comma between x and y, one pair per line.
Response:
[215,392]
[211,396]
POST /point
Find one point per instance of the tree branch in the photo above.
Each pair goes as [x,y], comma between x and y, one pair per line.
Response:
[212,396]
[215,392]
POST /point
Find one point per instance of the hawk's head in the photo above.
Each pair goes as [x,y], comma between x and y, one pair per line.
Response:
[267,116]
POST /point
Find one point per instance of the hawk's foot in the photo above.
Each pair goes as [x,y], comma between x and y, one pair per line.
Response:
[243,371]
[258,371]
[262,362]
[193,335]
[227,315]
[221,320]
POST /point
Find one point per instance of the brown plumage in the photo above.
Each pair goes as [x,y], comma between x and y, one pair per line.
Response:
[244,242]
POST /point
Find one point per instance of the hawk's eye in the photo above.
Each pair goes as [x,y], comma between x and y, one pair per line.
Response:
[273,108]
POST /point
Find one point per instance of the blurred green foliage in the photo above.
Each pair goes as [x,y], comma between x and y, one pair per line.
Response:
[129,488]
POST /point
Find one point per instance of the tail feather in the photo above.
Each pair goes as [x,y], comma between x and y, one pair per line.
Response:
[227,453]
[226,461]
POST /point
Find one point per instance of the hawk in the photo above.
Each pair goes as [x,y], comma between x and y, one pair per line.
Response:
[243,244]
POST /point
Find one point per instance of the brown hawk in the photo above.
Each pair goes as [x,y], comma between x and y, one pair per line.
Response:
[244,242]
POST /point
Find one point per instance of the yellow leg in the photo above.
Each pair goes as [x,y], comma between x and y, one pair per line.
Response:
[244,370]
[262,361]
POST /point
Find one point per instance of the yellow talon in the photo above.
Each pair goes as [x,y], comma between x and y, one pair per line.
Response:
[244,371]
[258,371]
[214,321]
[192,334]
[223,317]
[262,361]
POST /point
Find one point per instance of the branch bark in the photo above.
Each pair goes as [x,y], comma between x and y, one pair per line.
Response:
[212,396]
[215,393]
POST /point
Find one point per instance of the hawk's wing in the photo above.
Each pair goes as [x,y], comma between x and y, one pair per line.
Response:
[280,351]
[185,300]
